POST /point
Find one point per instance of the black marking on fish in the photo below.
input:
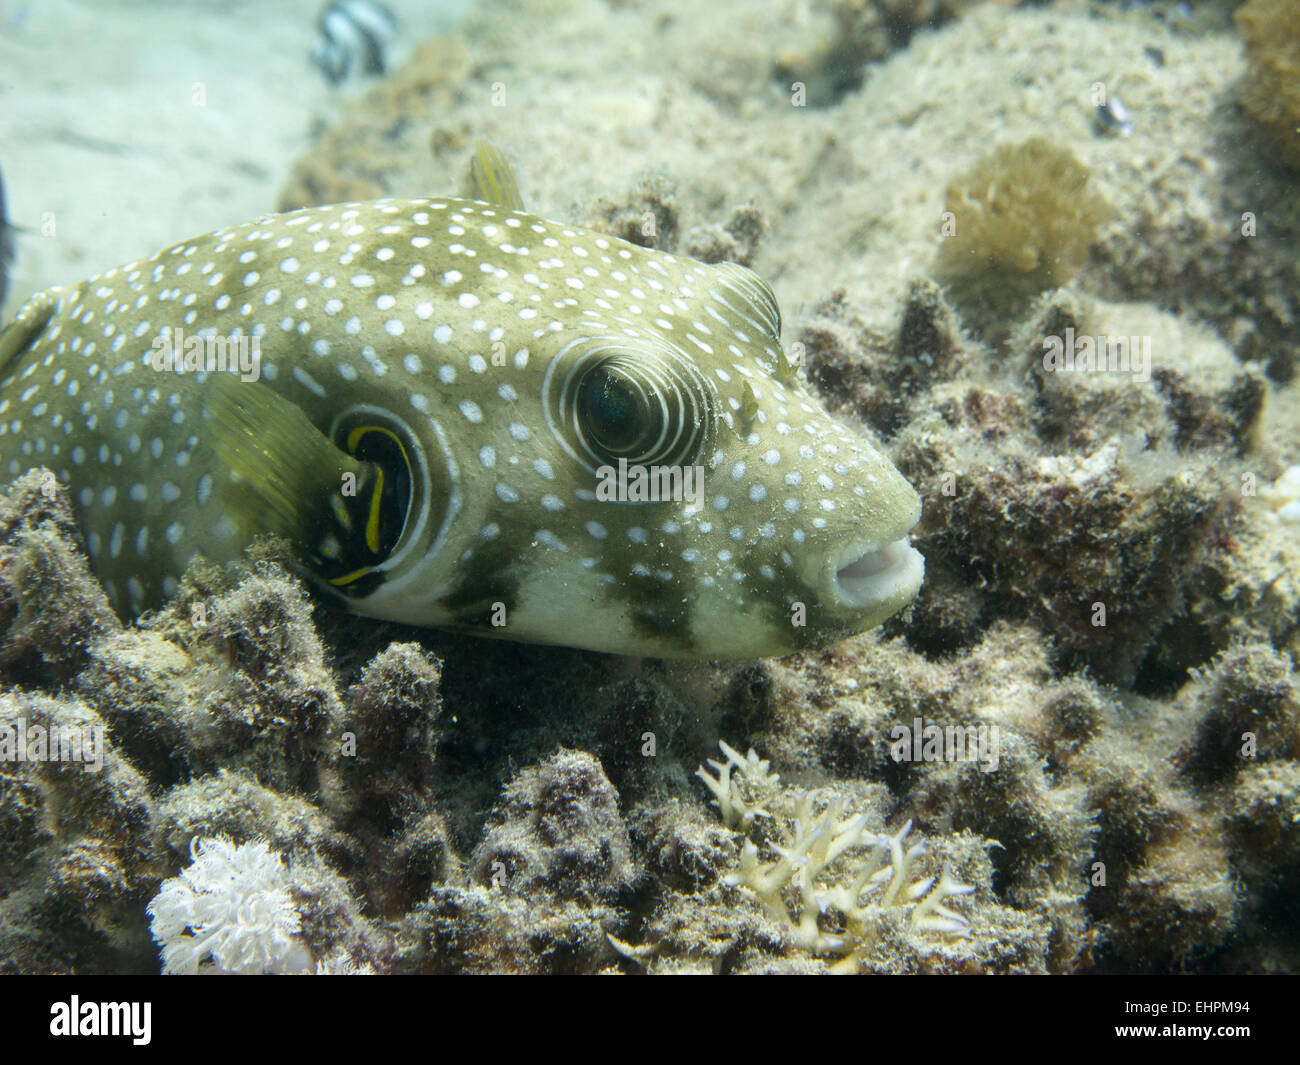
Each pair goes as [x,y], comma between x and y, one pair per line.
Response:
[490,577]
[6,244]
[659,611]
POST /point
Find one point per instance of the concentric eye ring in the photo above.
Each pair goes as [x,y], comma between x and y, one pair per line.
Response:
[608,400]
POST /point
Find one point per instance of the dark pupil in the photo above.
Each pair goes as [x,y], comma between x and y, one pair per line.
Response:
[612,413]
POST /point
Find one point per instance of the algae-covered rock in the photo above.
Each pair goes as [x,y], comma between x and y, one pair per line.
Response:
[1180,905]
[1106,543]
[558,831]
[482,930]
[51,606]
[277,703]
[394,707]
[232,804]
[1270,92]
[879,378]
[1246,708]
[77,854]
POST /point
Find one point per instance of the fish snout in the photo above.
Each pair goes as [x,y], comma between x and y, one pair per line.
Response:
[875,577]
[875,571]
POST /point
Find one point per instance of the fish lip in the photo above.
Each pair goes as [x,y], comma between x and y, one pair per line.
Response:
[875,575]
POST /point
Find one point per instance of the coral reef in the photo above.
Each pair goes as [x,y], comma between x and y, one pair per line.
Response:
[544,882]
[51,609]
[557,831]
[78,857]
[1099,561]
[1129,858]
[238,910]
[1082,849]
[832,917]
[878,378]
[838,892]
[1093,502]
[1113,572]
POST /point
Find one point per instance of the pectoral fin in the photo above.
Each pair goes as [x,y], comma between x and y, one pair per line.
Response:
[285,477]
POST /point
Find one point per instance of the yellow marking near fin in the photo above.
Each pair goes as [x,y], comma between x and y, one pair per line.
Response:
[372,522]
[348,578]
[354,438]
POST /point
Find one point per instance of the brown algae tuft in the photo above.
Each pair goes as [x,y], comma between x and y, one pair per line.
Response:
[1018,223]
[1270,91]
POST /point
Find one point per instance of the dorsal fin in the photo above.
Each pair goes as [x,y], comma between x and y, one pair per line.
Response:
[491,179]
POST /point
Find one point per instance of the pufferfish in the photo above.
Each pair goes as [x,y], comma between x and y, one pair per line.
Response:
[438,393]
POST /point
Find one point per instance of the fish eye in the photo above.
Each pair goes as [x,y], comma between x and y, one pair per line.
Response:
[615,412]
[646,404]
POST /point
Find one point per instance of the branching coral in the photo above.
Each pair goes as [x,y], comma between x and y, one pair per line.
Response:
[736,797]
[831,906]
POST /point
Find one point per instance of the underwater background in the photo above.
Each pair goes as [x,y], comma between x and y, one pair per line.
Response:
[946,198]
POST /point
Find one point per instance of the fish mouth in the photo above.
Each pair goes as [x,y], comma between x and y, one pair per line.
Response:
[880,576]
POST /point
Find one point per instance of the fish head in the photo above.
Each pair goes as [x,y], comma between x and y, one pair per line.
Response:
[636,466]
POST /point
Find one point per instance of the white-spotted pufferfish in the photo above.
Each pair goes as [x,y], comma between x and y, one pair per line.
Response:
[441,382]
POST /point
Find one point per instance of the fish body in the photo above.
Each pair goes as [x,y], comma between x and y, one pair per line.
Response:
[354,35]
[439,392]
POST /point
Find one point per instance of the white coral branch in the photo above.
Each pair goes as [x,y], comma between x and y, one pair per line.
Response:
[737,812]
[801,873]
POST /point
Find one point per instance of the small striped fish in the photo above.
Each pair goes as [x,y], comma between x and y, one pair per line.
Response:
[465,416]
